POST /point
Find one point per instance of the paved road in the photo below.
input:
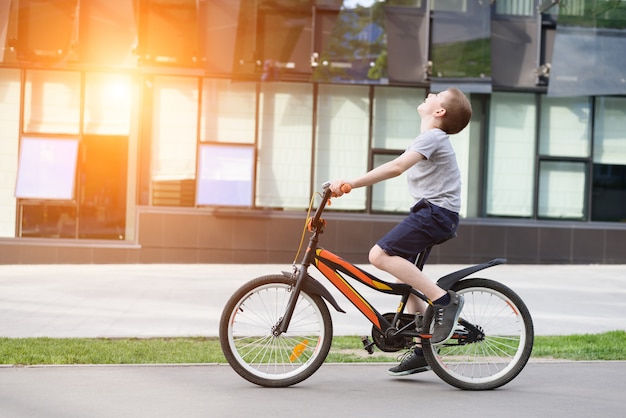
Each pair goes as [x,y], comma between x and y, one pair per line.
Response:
[187,300]
[581,389]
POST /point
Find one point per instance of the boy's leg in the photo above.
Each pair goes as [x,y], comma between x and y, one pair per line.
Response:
[447,304]
[405,271]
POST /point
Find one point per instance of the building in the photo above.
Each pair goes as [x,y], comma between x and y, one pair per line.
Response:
[196,131]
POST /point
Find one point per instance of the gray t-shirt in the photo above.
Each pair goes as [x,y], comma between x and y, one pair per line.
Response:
[437,178]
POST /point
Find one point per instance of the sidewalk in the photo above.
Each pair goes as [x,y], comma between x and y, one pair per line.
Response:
[149,300]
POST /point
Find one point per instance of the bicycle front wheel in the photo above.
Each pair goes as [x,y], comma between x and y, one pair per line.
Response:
[492,342]
[251,348]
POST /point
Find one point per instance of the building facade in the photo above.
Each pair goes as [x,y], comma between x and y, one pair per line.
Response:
[198,131]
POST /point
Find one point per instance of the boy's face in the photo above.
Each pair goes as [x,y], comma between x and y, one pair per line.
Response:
[433,104]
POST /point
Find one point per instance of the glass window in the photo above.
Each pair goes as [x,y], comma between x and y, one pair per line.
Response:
[515,7]
[103,187]
[48,219]
[610,131]
[585,59]
[395,119]
[390,195]
[225,175]
[395,125]
[9,134]
[467,146]
[175,116]
[228,111]
[609,193]
[511,155]
[52,102]
[342,138]
[407,26]
[450,5]
[461,50]
[356,47]
[609,156]
[107,104]
[565,126]
[274,38]
[284,149]
[562,189]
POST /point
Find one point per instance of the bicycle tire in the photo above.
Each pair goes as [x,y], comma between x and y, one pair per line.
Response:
[498,357]
[254,352]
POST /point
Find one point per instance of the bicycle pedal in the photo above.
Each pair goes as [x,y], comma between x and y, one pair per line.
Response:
[419,322]
[367,345]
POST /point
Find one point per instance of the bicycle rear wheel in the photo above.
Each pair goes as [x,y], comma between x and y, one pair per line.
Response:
[492,342]
[254,352]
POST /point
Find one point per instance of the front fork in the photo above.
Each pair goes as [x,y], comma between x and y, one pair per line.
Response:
[283,323]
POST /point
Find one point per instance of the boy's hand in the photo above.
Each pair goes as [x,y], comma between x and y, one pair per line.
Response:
[339,187]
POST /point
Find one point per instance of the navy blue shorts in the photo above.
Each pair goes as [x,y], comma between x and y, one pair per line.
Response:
[426,224]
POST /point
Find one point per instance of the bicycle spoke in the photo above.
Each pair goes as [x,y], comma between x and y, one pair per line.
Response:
[496,353]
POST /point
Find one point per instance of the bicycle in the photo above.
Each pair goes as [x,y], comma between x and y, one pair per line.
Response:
[276,330]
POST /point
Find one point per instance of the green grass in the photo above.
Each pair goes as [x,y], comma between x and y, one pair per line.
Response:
[37,351]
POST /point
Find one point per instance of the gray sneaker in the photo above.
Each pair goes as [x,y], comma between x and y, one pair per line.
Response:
[411,363]
[445,318]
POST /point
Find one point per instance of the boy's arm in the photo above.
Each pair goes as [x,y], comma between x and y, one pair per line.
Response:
[385,171]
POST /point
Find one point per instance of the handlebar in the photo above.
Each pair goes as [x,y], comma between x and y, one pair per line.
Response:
[315,222]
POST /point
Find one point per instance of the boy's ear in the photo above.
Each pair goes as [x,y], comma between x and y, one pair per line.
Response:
[441,112]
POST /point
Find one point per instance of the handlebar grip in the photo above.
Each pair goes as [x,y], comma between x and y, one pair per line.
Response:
[346,188]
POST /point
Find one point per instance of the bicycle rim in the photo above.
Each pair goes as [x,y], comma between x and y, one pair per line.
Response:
[259,356]
[497,357]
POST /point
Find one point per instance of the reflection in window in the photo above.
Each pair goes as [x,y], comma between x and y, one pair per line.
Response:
[273,38]
[461,50]
[102,197]
[52,102]
[511,155]
[50,220]
[228,111]
[356,49]
[284,149]
[407,33]
[585,61]
[594,13]
[565,127]
[562,190]
[342,138]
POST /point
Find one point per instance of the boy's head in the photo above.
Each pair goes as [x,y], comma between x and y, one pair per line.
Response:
[451,110]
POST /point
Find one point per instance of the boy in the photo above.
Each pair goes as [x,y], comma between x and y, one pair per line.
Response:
[434,182]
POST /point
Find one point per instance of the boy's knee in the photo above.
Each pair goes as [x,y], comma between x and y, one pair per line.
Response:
[377,256]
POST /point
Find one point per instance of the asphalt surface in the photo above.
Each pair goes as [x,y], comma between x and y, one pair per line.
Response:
[571,390]
[186,300]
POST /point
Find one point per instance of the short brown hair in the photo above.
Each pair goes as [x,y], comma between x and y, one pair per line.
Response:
[458,112]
